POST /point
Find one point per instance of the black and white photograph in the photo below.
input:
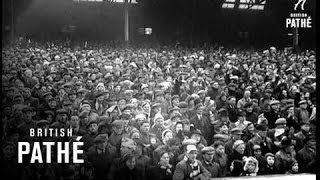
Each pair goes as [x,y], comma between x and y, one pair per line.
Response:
[159,90]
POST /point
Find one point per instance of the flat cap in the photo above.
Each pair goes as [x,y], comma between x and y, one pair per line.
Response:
[117,123]
[201,92]
[281,121]
[207,150]
[101,138]
[183,104]
[173,109]
[156,105]
[274,102]
[248,104]
[189,142]
[236,131]
[175,97]
[42,122]
[62,111]
[302,102]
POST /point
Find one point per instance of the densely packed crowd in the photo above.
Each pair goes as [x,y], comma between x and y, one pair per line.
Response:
[163,113]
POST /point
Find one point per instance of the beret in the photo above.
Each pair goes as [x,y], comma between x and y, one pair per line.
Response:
[207,150]
[281,121]
[256,146]
[237,143]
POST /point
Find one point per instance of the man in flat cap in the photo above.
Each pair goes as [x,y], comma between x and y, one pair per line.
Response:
[302,112]
[117,134]
[190,167]
[273,114]
[236,134]
[101,155]
[202,122]
[307,156]
[92,132]
[207,161]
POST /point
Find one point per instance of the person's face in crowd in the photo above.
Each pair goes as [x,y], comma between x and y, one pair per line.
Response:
[241,118]
[232,101]
[307,95]
[145,127]
[200,110]
[135,136]
[305,127]
[220,150]
[263,134]
[49,118]
[224,129]
[191,104]
[284,93]
[276,107]
[127,111]
[249,109]
[215,85]
[196,137]
[208,157]
[93,128]
[90,83]
[28,116]
[164,159]
[312,144]
[146,107]
[43,89]
[179,127]
[100,98]
[251,166]
[175,101]
[152,84]
[295,167]
[8,151]
[270,161]
[192,156]
[257,152]
[159,122]
[62,117]
[62,92]
[223,98]
[251,128]
[157,109]
[100,88]
[247,94]
[7,111]
[28,73]
[168,136]
[122,103]
[303,106]
[19,85]
[131,163]
[14,138]
[72,97]
[86,107]
[117,89]
[114,113]
[74,122]
[240,148]
[9,93]
[52,104]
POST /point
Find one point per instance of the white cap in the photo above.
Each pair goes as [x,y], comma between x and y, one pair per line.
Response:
[190,148]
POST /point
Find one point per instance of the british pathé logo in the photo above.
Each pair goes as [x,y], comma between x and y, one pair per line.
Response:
[301,3]
[298,19]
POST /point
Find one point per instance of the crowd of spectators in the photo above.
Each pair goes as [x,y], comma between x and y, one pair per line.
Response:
[161,113]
